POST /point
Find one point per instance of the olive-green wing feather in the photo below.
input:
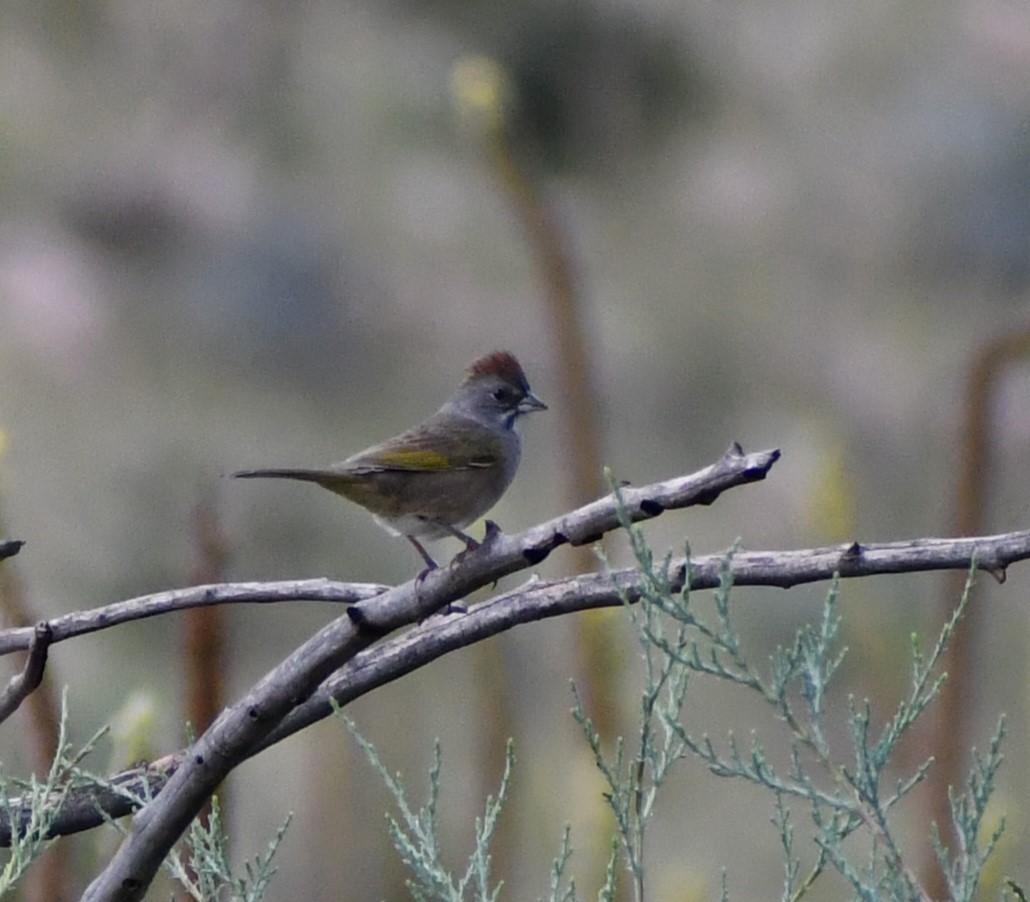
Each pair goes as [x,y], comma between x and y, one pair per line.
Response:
[433,447]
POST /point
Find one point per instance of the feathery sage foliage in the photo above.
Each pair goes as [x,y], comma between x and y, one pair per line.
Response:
[209,875]
[853,794]
[33,805]
[634,782]
[563,885]
[42,799]
[843,782]
[416,834]
[201,865]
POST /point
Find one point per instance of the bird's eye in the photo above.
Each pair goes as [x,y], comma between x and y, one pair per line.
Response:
[503,394]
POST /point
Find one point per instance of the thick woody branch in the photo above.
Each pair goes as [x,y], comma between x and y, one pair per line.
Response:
[244,726]
[539,600]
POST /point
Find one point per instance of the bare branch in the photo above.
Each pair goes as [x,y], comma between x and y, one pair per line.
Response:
[78,623]
[579,527]
[21,685]
[263,716]
[243,726]
[538,600]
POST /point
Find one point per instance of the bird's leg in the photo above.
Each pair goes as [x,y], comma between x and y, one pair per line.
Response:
[470,543]
[430,563]
[450,608]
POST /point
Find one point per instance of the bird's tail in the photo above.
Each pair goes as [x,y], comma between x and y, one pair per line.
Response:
[318,476]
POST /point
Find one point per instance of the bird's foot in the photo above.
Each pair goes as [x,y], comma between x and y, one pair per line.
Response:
[453,608]
[424,572]
[471,545]
[491,533]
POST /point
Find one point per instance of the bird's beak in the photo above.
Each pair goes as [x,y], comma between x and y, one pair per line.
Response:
[530,403]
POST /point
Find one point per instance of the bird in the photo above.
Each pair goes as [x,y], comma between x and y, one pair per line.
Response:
[443,474]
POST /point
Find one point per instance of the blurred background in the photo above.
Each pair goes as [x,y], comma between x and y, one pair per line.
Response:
[256,234]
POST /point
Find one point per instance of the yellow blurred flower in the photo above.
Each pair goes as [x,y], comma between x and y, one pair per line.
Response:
[132,729]
[481,92]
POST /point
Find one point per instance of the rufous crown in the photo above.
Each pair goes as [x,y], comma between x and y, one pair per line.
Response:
[501,364]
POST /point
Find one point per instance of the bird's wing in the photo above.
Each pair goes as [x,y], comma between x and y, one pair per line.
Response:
[431,450]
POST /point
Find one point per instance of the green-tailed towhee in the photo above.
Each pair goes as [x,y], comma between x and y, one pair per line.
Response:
[438,477]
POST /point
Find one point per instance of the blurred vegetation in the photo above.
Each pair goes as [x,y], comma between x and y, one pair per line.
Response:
[253,234]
